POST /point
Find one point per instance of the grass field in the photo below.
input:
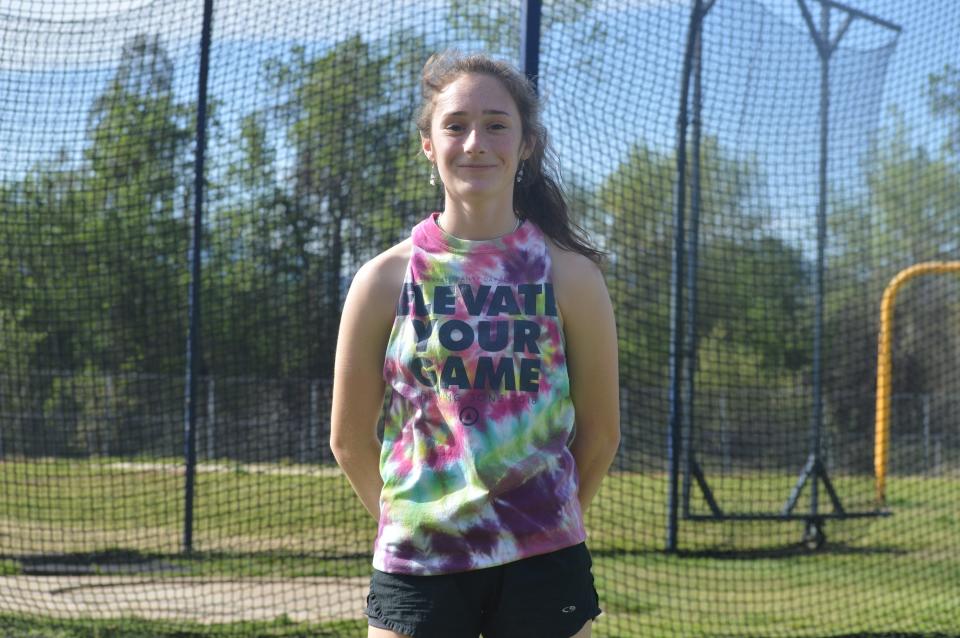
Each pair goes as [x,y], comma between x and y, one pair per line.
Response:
[876,577]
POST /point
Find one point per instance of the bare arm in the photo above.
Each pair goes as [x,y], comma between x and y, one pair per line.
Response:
[358,385]
[592,363]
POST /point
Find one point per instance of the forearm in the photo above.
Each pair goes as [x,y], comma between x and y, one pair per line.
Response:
[593,458]
[360,462]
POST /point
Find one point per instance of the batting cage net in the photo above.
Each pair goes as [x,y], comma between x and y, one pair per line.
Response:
[188,187]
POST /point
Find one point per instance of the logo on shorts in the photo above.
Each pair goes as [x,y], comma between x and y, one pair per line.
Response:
[569,608]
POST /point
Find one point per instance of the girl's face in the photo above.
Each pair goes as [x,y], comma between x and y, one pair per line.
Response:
[475,139]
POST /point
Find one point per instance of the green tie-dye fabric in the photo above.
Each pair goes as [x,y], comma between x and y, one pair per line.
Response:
[475,462]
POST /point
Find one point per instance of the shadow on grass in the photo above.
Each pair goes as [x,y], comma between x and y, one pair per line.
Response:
[27,626]
[110,561]
[882,635]
[796,550]
[124,561]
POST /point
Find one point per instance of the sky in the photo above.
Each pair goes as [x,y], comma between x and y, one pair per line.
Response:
[603,91]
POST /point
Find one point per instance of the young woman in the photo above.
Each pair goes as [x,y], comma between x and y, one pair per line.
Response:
[493,328]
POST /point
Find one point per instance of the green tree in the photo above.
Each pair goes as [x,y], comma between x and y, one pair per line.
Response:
[140,175]
[638,200]
[757,290]
[911,216]
[42,279]
[286,236]
[103,260]
[943,91]
[245,291]
[31,275]
[754,346]
[752,325]
[317,179]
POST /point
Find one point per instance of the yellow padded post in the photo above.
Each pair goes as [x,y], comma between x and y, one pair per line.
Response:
[884,365]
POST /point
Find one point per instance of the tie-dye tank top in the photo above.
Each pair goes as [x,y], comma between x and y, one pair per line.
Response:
[475,463]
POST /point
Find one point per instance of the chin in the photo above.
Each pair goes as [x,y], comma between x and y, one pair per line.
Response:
[477,196]
[484,187]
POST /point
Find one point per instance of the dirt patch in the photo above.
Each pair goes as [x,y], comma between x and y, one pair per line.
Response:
[224,468]
[30,537]
[182,599]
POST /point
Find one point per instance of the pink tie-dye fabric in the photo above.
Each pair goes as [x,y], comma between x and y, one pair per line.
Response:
[475,462]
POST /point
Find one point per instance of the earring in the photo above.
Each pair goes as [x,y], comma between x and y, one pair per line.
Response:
[433,176]
[520,173]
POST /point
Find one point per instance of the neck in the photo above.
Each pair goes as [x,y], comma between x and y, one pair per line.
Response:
[475,221]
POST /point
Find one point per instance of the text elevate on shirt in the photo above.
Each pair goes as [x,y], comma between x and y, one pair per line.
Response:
[491,334]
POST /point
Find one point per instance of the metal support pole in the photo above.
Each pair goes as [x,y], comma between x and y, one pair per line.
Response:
[817,416]
[193,334]
[814,471]
[530,40]
[676,287]
[693,267]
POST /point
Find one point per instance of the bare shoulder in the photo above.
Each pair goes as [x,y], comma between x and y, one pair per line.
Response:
[590,338]
[378,282]
[385,272]
[576,278]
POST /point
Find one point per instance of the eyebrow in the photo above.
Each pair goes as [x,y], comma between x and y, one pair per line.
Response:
[485,112]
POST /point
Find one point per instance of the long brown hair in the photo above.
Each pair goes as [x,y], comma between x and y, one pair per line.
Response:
[538,196]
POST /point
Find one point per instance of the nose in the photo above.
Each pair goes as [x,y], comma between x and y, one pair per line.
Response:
[473,143]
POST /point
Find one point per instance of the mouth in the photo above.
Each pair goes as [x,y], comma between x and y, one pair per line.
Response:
[478,166]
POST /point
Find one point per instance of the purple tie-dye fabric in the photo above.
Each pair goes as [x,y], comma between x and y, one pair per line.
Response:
[475,462]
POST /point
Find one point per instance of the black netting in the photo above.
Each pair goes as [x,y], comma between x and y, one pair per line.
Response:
[744,498]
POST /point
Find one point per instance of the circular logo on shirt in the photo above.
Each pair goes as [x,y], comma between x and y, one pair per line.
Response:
[469,415]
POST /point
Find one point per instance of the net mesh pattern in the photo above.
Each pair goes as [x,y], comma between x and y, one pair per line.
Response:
[748,341]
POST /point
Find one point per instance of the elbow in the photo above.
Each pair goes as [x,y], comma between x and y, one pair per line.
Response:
[608,436]
[613,433]
[608,442]
[339,449]
[348,449]
[612,443]
[597,443]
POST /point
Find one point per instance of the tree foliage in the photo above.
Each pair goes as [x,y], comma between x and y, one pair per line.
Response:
[911,215]
[285,237]
[327,171]
[738,264]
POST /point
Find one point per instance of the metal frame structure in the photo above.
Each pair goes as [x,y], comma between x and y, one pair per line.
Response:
[194,352]
[530,18]
[683,341]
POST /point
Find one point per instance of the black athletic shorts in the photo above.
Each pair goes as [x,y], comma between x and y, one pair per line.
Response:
[547,596]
